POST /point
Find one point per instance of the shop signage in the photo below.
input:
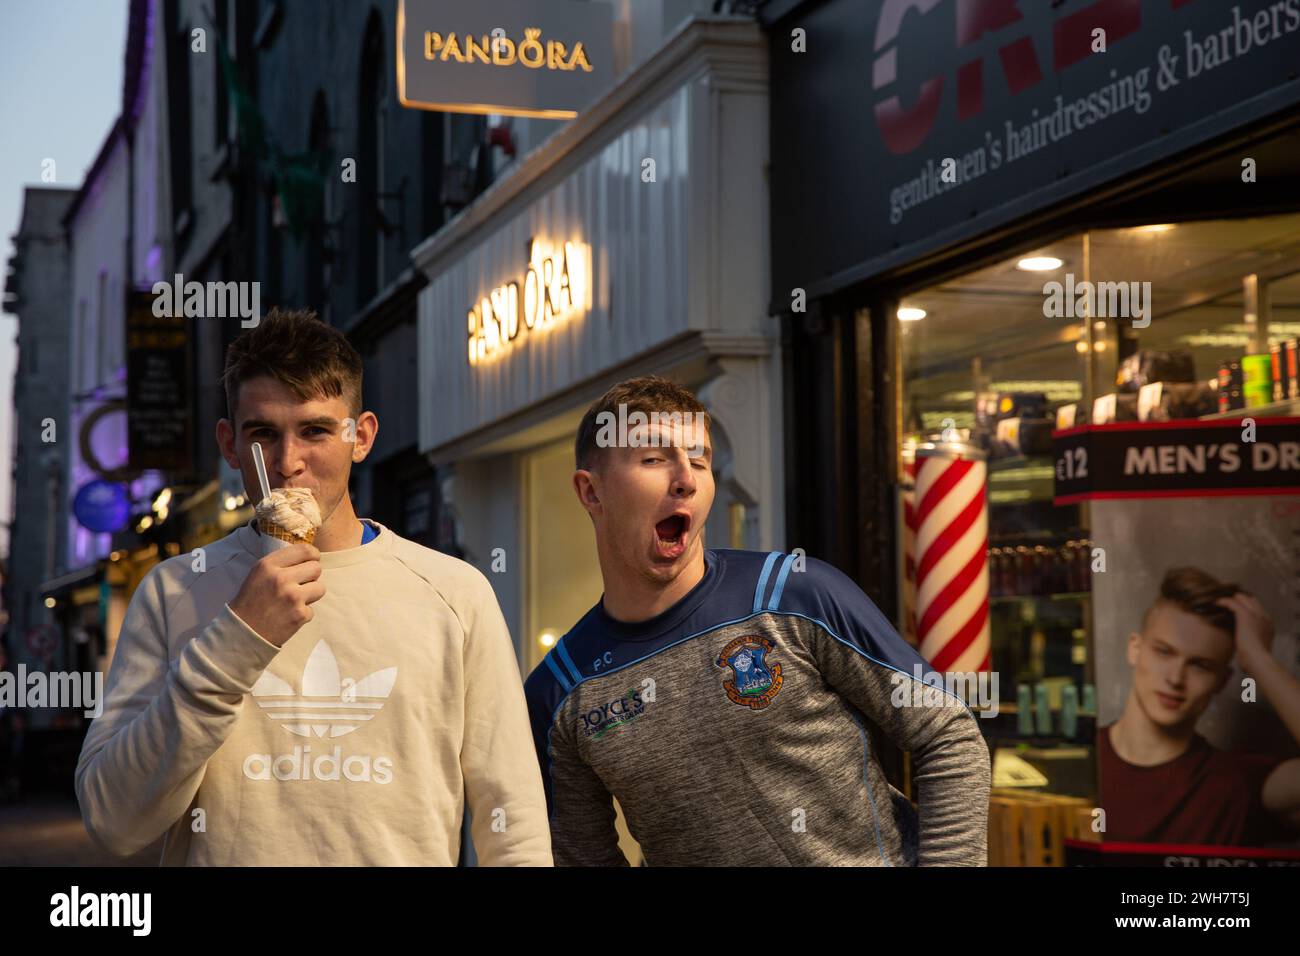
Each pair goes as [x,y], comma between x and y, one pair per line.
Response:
[554,289]
[1175,459]
[1247,539]
[102,506]
[545,58]
[86,444]
[1082,853]
[951,116]
[157,387]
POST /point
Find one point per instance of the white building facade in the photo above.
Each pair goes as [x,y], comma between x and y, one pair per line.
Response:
[647,217]
[119,239]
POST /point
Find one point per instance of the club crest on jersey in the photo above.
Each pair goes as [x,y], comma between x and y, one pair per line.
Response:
[753,682]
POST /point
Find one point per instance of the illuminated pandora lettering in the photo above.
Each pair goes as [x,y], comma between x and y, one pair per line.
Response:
[554,290]
[530,52]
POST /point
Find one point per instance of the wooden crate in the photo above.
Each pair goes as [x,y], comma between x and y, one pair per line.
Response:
[1030,828]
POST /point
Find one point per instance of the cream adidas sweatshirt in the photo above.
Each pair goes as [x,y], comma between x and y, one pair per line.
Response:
[361,741]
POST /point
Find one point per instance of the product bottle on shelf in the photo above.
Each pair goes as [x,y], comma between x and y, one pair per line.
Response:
[1024,711]
[1043,710]
[1042,570]
[1069,711]
[1024,570]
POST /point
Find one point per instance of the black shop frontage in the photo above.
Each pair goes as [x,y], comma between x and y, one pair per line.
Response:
[1007,235]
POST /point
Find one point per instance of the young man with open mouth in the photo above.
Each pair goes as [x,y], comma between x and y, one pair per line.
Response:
[732,701]
[338,702]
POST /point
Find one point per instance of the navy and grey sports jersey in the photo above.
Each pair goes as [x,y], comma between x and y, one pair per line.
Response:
[740,727]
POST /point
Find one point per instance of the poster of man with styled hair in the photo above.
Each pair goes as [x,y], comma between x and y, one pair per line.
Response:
[1198,741]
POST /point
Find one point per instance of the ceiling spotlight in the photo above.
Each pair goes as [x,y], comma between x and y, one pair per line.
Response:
[911,314]
[1039,264]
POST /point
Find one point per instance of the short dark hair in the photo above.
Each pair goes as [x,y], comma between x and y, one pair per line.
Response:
[297,349]
[1194,591]
[646,394]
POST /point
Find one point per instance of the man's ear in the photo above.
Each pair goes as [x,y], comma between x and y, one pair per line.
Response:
[226,442]
[1134,646]
[366,430]
[585,486]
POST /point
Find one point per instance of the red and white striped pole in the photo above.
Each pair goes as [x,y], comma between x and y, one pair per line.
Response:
[952,574]
[907,488]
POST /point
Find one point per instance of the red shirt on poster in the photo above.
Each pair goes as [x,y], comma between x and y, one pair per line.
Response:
[1204,796]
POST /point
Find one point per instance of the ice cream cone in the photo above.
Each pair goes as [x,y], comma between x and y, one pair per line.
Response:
[289,515]
[273,530]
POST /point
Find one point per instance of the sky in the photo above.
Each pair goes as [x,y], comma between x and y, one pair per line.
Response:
[60,92]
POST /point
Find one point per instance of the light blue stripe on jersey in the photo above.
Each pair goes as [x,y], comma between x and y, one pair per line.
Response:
[564,681]
[568,662]
[773,604]
[762,579]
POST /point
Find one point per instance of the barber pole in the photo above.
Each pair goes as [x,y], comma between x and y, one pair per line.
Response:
[908,523]
[951,548]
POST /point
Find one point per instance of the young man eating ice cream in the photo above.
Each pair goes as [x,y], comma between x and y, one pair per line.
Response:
[340,702]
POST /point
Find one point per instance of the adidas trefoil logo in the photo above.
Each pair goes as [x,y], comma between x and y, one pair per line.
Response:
[328,703]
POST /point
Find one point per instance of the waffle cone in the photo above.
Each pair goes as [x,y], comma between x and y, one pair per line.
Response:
[273,530]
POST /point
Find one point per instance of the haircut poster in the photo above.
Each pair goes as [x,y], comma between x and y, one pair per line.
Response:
[1196,616]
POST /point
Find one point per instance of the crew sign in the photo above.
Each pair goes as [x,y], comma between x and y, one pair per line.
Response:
[544,58]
